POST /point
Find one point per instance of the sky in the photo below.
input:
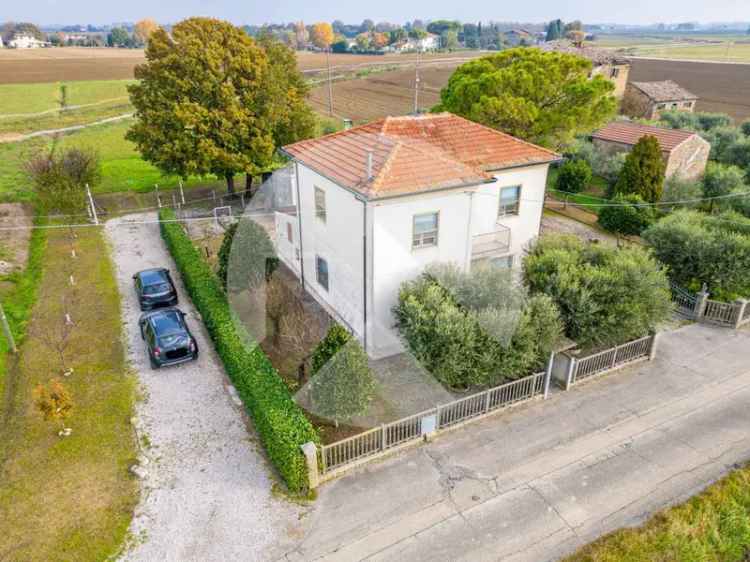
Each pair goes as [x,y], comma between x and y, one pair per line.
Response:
[48,12]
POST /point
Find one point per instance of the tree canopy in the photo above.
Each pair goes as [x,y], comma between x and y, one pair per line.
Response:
[143,30]
[543,97]
[322,35]
[209,101]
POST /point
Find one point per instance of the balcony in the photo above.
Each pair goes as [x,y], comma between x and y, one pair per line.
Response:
[490,244]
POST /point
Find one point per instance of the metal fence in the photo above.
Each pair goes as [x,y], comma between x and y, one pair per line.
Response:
[376,442]
[610,359]
[699,307]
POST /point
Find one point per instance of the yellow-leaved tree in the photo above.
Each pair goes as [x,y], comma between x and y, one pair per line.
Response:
[322,35]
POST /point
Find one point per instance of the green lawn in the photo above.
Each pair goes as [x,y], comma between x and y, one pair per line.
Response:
[71,498]
[33,98]
[711,527]
[590,198]
[122,167]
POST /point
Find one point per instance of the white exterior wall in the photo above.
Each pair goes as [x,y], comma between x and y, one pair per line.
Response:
[391,259]
[339,241]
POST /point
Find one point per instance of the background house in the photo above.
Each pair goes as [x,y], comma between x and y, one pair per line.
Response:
[605,63]
[26,41]
[685,152]
[377,203]
[648,100]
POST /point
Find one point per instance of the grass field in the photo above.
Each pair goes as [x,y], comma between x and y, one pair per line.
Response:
[695,46]
[711,527]
[71,498]
[27,99]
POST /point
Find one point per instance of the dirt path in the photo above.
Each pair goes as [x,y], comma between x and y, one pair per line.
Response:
[15,137]
[208,492]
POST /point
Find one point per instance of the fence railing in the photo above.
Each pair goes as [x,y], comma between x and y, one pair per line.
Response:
[699,307]
[378,441]
[567,370]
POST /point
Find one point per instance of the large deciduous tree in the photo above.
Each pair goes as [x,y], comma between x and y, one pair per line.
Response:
[644,171]
[144,29]
[209,101]
[322,35]
[543,97]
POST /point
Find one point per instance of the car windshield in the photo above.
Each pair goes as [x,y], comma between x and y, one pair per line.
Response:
[168,324]
[155,289]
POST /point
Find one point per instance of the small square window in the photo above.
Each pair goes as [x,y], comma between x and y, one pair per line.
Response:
[510,201]
[615,73]
[320,204]
[661,106]
[289,236]
[505,262]
[425,230]
[321,272]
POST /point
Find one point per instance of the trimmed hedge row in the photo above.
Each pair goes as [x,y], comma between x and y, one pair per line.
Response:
[282,426]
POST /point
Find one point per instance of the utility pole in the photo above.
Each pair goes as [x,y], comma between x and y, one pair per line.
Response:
[6,329]
[91,203]
[330,81]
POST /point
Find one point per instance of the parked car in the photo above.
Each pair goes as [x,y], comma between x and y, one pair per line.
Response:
[168,339]
[155,288]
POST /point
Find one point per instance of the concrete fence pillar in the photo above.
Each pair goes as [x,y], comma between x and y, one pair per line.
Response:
[701,300]
[310,450]
[652,347]
[571,371]
[740,309]
[548,374]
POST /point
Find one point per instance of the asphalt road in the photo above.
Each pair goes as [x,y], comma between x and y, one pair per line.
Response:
[535,483]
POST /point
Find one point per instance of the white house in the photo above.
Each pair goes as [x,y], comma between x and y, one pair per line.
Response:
[26,41]
[430,42]
[376,204]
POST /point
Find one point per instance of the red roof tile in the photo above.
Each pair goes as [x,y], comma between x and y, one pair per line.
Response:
[626,132]
[414,154]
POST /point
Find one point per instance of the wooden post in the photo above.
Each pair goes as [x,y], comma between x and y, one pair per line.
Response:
[486,401]
[91,203]
[158,199]
[701,300]
[6,330]
[383,437]
[182,194]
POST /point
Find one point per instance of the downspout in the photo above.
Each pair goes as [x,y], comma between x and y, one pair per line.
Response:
[299,223]
[468,230]
[364,272]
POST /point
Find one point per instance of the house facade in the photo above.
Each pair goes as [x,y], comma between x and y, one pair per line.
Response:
[605,63]
[685,153]
[26,41]
[376,204]
[647,100]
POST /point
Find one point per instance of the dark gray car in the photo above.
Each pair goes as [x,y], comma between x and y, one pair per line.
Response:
[154,288]
[168,339]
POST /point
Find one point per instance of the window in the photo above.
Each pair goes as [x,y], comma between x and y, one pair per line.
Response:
[615,73]
[321,272]
[289,233]
[510,199]
[661,106]
[674,106]
[425,230]
[504,262]
[688,104]
[320,204]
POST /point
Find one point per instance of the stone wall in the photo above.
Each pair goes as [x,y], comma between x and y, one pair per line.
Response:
[617,73]
[689,160]
[636,104]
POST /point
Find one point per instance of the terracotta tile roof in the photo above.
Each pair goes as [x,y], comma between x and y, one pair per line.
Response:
[666,90]
[627,132]
[413,154]
[594,54]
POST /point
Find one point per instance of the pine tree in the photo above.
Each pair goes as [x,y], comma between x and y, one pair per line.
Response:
[644,171]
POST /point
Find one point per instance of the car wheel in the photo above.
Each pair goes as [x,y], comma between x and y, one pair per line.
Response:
[154,364]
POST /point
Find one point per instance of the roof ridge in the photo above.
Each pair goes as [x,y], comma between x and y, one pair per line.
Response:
[377,180]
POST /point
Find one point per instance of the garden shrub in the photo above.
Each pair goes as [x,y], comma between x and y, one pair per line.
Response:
[700,248]
[574,176]
[745,128]
[475,329]
[343,386]
[679,190]
[629,215]
[644,171]
[281,424]
[721,180]
[606,295]
[336,338]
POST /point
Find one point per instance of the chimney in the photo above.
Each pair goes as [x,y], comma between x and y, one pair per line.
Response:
[369,165]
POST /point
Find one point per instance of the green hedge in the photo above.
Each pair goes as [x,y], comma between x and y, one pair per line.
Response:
[282,426]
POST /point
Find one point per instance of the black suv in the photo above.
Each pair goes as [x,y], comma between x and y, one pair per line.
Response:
[155,288]
[168,339]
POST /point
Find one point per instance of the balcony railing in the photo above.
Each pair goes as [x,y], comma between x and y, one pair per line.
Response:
[490,244]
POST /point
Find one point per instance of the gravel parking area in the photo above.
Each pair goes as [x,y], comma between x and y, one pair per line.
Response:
[207,494]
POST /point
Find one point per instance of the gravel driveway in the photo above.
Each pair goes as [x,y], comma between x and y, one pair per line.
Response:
[207,493]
